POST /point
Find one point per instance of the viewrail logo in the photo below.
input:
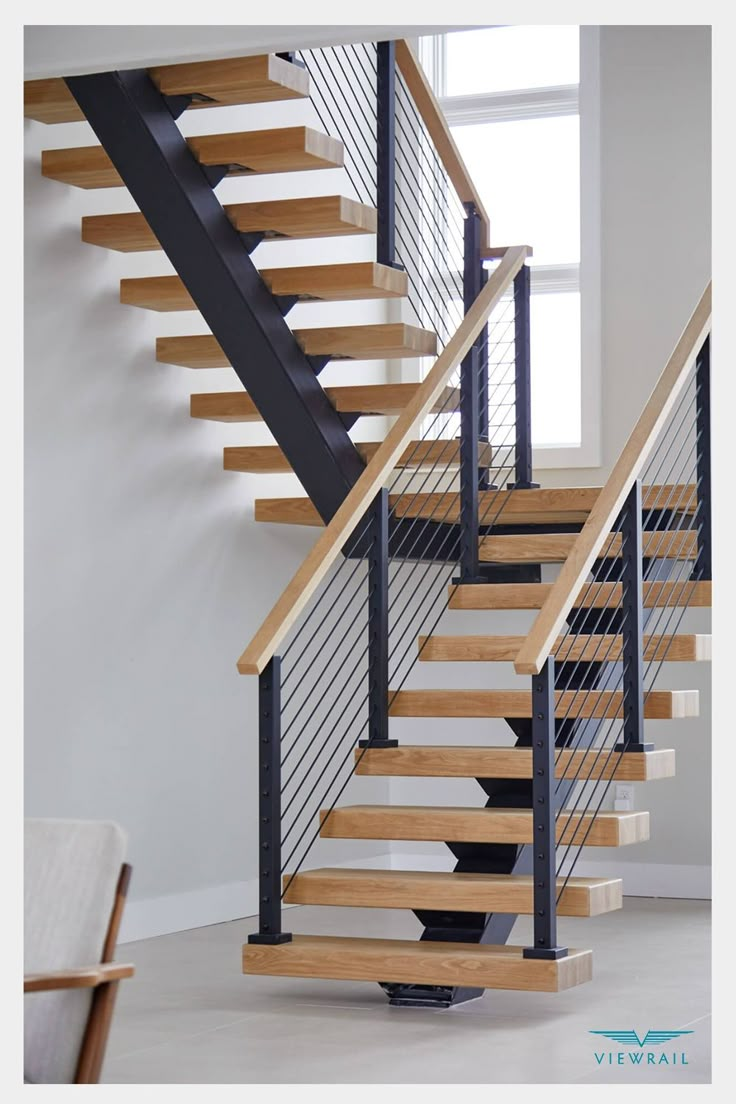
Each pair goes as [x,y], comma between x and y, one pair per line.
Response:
[642,1056]
[652,1038]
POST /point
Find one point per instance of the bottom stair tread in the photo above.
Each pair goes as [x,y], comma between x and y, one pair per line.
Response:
[454,890]
[402,960]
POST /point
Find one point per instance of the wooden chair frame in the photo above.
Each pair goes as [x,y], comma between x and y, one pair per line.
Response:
[103,978]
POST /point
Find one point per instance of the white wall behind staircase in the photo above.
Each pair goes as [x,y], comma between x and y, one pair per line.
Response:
[146,573]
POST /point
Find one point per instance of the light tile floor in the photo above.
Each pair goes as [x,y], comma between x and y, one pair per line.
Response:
[191,1017]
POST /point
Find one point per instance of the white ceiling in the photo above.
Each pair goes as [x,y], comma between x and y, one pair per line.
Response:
[52,51]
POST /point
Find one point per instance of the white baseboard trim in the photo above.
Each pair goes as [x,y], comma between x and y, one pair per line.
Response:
[640,879]
[198,908]
[653,879]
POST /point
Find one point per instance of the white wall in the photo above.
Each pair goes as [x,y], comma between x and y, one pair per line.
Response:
[655,213]
[655,209]
[146,574]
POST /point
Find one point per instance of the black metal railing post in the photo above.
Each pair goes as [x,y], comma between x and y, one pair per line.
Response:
[378,625]
[386,152]
[543,816]
[632,623]
[470,406]
[269,806]
[703,567]
[484,409]
[522,380]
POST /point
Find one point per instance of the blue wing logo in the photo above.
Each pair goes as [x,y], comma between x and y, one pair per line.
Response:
[652,1038]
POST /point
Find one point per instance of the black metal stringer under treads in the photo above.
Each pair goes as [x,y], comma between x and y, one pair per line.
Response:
[472,927]
[497,858]
[174,193]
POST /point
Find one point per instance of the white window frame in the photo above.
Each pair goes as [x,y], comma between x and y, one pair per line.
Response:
[535,103]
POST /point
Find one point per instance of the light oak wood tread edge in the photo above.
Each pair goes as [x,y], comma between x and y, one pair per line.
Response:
[354,959]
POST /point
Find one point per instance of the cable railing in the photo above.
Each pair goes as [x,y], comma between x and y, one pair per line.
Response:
[612,617]
[343,638]
[366,95]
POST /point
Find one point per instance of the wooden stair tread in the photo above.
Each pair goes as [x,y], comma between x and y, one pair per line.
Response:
[50,101]
[378,341]
[543,506]
[376,398]
[262,78]
[658,704]
[404,960]
[556,547]
[257,79]
[433,761]
[309,283]
[553,505]
[423,889]
[269,459]
[358,280]
[459,824]
[682,648]
[276,219]
[285,149]
[372,342]
[485,596]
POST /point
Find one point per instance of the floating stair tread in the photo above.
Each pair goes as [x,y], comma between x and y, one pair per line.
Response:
[418,454]
[658,704]
[363,280]
[556,547]
[276,219]
[683,648]
[422,889]
[487,596]
[50,101]
[286,511]
[376,398]
[359,280]
[421,761]
[262,78]
[230,81]
[377,342]
[550,505]
[544,506]
[345,958]
[380,341]
[469,825]
[286,149]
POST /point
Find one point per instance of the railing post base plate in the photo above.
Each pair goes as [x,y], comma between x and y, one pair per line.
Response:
[264,937]
[378,743]
[545,952]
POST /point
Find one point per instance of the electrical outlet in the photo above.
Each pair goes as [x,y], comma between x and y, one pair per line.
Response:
[624,797]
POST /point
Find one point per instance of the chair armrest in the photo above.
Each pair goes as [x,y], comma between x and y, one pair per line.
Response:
[86,977]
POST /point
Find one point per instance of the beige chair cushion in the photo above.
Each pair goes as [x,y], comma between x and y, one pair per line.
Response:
[71,872]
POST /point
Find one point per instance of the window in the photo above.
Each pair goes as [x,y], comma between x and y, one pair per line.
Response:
[512,98]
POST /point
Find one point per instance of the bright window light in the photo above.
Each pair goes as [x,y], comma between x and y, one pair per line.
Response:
[503,58]
[526,165]
[555,355]
[528,174]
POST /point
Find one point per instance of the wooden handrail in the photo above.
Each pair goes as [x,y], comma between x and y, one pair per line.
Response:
[602,517]
[436,124]
[293,600]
